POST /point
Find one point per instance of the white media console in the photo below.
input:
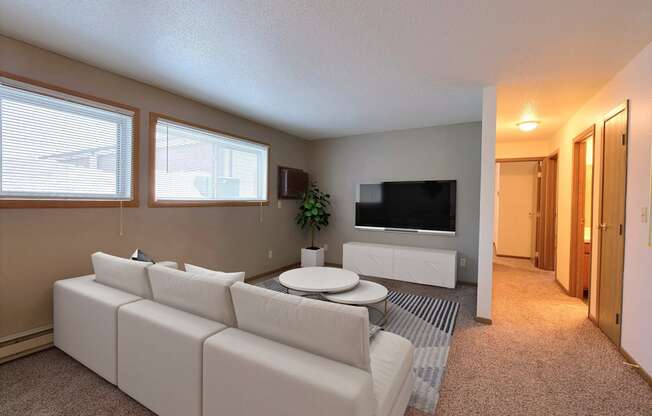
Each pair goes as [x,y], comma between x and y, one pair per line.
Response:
[427,266]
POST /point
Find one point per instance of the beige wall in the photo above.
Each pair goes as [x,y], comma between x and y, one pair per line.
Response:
[442,152]
[524,148]
[634,82]
[39,246]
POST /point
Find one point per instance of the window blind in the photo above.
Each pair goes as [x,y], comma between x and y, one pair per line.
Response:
[200,165]
[58,146]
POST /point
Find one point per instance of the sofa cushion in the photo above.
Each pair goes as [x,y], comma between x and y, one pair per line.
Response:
[160,356]
[168,263]
[240,276]
[86,322]
[199,294]
[392,357]
[338,332]
[245,374]
[123,274]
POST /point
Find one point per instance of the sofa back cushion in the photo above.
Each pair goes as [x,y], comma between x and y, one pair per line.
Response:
[226,275]
[200,294]
[124,274]
[331,330]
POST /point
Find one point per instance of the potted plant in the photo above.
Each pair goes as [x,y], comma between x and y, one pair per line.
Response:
[314,215]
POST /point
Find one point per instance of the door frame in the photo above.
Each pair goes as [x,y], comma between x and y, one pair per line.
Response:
[537,215]
[617,110]
[574,278]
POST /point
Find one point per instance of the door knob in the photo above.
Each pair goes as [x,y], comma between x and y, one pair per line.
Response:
[603,226]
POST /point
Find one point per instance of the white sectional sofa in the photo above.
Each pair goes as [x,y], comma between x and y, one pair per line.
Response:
[199,344]
[86,322]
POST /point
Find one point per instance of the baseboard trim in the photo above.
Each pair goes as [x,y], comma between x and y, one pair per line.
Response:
[279,270]
[632,362]
[562,287]
[485,321]
[23,334]
[513,257]
[20,347]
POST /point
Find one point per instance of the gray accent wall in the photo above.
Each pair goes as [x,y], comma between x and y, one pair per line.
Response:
[440,152]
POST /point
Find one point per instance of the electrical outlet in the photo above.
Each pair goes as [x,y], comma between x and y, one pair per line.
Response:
[280,204]
[269,254]
[325,247]
[462,261]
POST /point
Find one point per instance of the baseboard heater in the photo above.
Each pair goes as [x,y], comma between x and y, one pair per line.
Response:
[25,343]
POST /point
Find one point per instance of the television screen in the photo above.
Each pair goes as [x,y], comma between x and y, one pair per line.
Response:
[410,206]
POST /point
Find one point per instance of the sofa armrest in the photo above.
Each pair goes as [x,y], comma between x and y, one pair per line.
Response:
[245,374]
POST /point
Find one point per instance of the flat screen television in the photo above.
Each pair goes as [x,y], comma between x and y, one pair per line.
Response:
[415,206]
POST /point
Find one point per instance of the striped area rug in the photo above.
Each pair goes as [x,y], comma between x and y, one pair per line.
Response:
[429,323]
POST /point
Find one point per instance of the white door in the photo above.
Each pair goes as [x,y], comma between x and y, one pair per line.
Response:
[517,209]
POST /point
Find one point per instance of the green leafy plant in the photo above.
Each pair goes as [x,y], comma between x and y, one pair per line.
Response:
[313,211]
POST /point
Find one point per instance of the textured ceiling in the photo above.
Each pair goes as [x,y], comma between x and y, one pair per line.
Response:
[340,67]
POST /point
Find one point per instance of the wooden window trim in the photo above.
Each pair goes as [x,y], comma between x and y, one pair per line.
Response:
[153,203]
[83,203]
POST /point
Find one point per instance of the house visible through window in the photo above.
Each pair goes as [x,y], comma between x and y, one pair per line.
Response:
[194,164]
[62,147]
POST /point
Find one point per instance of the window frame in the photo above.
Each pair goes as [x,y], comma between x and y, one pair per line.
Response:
[154,203]
[82,203]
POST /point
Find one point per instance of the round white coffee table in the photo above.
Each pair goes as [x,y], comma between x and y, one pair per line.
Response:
[365,293]
[319,279]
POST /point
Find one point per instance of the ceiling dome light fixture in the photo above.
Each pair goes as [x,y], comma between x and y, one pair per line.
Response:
[528,125]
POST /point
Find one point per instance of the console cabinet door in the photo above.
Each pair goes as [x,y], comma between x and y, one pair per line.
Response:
[369,260]
[425,267]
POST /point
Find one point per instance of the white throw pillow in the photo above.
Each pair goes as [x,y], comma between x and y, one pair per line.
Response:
[195,293]
[201,270]
[168,263]
[123,274]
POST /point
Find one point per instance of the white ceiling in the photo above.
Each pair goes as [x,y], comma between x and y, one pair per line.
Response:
[341,67]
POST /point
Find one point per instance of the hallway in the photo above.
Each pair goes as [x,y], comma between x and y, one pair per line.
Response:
[542,355]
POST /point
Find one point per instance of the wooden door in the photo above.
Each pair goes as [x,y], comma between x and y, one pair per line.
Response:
[612,223]
[538,202]
[534,210]
[578,265]
[547,233]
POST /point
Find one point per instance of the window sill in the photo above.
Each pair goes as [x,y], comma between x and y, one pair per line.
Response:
[180,204]
[65,203]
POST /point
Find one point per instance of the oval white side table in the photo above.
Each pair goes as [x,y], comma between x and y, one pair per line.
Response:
[319,279]
[365,293]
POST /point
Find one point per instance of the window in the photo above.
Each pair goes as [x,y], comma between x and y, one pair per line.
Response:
[56,146]
[200,166]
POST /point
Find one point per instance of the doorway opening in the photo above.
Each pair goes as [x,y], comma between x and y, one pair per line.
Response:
[517,208]
[525,210]
[582,239]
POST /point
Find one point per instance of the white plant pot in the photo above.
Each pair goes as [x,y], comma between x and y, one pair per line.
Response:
[312,258]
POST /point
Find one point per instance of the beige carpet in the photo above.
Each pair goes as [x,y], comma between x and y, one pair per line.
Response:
[541,357]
